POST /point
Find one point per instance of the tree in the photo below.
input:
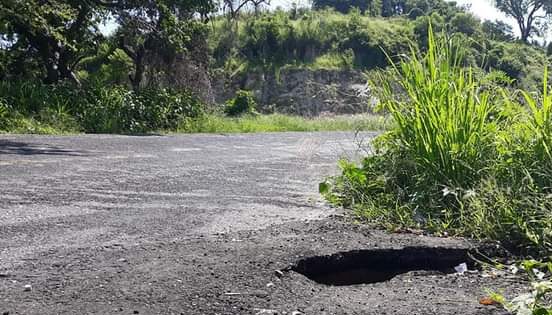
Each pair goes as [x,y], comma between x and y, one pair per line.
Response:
[444,8]
[233,7]
[532,16]
[257,4]
[498,30]
[343,6]
[157,32]
[60,33]
[56,32]
[465,23]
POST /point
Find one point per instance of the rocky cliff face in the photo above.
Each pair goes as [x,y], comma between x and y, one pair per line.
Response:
[300,91]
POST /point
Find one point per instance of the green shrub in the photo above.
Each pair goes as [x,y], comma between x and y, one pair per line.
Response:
[243,103]
[121,110]
[30,97]
[4,112]
[274,39]
[334,60]
[95,108]
[328,39]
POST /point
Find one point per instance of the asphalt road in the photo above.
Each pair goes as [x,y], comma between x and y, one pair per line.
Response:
[185,224]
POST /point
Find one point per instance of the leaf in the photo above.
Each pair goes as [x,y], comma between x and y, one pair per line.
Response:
[324,188]
[542,311]
[487,301]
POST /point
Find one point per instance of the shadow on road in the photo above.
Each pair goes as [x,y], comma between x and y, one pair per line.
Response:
[21,148]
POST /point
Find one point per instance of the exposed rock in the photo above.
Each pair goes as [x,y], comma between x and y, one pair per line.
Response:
[301,91]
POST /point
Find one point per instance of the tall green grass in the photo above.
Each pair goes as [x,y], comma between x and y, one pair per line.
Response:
[465,157]
[541,120]
[213,123]
[443,120]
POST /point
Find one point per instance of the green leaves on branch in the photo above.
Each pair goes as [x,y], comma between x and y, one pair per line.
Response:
[60,33]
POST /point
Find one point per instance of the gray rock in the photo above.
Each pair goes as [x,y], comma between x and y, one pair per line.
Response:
[301,91]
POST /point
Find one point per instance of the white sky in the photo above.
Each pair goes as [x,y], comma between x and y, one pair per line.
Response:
[485,10]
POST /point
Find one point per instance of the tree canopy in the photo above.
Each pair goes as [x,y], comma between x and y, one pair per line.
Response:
[532,16]
[58,34]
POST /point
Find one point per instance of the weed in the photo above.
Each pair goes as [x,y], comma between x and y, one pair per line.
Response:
[536,302]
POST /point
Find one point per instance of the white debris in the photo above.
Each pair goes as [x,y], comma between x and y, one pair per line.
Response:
[461,269]
[264,311]
[539,274]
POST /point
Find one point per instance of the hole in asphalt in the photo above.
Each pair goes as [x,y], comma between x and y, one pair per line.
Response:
[379,265]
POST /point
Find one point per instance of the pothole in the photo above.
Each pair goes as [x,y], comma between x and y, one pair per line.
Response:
[379,265]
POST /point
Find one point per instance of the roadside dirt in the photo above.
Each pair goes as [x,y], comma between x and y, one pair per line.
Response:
[196,225]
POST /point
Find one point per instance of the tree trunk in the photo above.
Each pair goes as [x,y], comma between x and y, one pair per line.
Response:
[138,77]
[525,31]
[52,75]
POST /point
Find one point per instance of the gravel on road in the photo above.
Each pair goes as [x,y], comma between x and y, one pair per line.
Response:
[196,224]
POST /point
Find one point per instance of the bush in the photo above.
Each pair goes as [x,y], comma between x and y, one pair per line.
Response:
[465,158]
[92,108]
[30,97]
[328,39]
[121,110]
[4,112]
[243,103]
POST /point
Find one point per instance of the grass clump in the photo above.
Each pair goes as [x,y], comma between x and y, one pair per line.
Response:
[213,123]
[465,157]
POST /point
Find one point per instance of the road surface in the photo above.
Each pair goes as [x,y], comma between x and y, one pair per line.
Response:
[192,224]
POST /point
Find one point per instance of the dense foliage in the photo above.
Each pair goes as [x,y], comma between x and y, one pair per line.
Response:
[330,39]
[48,39]
[95,109]
[56,63]
[175,47]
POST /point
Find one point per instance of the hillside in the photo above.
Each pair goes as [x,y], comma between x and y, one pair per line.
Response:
[330,40]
